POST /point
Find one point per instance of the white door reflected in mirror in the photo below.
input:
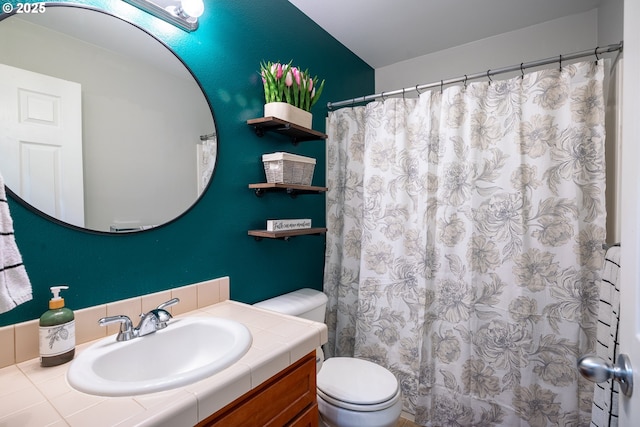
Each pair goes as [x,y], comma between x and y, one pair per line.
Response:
[41,145]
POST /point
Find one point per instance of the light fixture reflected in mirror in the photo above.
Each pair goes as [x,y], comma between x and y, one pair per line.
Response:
[181,13]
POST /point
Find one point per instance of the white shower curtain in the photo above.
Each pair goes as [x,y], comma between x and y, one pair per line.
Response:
[465,245]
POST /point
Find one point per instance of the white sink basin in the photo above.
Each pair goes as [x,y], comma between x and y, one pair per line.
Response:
[186,351]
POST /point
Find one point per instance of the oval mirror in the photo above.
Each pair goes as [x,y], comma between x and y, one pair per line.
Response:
[102,127]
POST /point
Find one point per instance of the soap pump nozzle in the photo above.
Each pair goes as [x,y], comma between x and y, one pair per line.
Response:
[57,301]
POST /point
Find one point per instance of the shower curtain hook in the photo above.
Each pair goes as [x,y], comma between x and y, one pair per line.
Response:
[418,90]
[521,70]
[441,85]
[489,76]
[465,81]
[595,52]
[382,96]
[403,94]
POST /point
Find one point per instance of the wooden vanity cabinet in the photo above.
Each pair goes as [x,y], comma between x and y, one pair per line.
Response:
[286,399]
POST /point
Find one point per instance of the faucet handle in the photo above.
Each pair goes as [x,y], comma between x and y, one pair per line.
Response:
[126,327]
[163,317]
[172,301]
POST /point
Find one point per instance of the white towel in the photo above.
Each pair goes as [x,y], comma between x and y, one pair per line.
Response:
[15,287]
[604,410]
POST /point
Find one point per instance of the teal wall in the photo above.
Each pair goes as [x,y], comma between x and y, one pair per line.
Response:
[211,239]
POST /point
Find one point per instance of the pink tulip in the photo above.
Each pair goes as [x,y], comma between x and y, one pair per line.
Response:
[288,80]
[296,74]
[279,71]
[310,85]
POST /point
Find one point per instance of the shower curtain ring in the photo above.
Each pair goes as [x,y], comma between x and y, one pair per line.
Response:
[465,81]
[441,85]
[560,61]
[595,52]
[521,70]
[489,76]
[418,90]
[403,94]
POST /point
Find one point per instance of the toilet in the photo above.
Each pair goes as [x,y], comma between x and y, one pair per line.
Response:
[352,392]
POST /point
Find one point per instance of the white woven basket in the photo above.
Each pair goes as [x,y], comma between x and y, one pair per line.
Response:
[287,168]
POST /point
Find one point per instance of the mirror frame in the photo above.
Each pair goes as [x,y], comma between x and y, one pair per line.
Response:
[55,220]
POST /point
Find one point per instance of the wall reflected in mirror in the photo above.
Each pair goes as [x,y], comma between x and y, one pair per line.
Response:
[146,140]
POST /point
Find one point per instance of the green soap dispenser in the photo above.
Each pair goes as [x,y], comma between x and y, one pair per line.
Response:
[57,332]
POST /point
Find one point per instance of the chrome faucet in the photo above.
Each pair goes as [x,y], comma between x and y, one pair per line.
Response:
[150,322]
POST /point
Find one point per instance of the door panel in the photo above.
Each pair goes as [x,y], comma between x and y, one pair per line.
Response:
[41,131]
[630,215]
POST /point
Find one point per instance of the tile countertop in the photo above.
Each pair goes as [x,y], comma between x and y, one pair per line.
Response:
[34,396]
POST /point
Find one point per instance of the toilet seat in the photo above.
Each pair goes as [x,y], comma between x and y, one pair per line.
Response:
[357,385]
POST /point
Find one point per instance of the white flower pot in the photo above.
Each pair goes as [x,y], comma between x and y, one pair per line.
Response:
[289,113]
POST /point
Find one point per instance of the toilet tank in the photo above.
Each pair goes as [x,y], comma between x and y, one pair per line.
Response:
[306,303]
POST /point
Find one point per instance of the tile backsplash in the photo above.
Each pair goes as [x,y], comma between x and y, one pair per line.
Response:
[20,341]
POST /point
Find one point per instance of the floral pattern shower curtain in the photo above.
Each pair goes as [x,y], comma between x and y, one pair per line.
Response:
[465,245]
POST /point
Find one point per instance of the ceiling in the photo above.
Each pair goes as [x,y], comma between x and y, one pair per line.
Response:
[383,32]
[117,36]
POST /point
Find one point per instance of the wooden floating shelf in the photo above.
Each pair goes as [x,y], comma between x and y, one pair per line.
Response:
[295,132]
[285,235]
[291,189]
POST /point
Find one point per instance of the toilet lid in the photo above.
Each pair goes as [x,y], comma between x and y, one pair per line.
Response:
[356,381]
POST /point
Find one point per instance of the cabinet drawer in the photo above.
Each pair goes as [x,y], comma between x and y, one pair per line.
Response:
[276,402]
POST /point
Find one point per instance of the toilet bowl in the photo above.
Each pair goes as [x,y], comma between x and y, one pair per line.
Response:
[352,392]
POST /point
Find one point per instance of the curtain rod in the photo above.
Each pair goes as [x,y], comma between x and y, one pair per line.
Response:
[521,67]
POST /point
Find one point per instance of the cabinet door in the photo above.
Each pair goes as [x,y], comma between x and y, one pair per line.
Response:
[308,418]
[275,403]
